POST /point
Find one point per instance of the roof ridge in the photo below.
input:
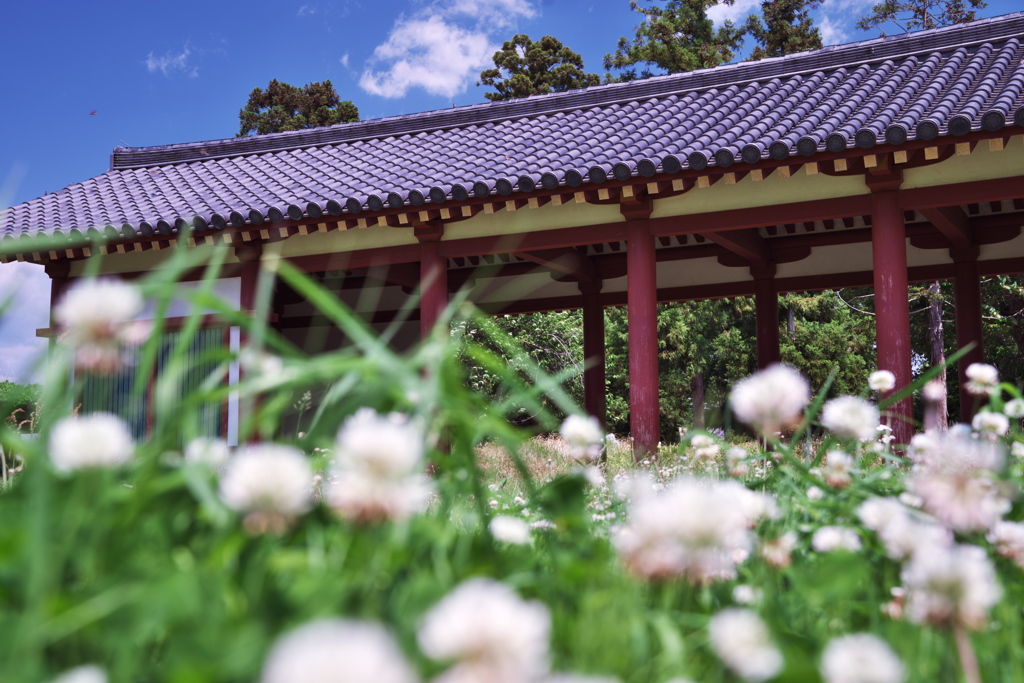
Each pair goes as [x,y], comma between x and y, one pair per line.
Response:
[831,58]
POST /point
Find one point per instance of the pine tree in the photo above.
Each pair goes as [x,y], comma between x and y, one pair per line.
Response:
[286,107]
[674,36]
[909,15]
[787,28]
[523,67]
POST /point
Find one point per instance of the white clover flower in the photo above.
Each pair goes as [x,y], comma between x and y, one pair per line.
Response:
[754,505]
[778,551]
[337,651]
[490,633]
[959,431]
[261,364]
[693,529]
[950,586]
[882,380]
[584,436]
[94,440]
[95,316]
[213,453]
[704,447]
[877,512]
[830,538]
[744,594]
[933,391]
[1008,538]
[593,475]
[772,399]
[991,424]
[94,306]
[838,469]
[911,500]
[735,460]
[901,533]
[815,493]
[956,485]
[377,472]
[851,417]
[90,673]
[1014,408]
[269,482]
[860,658]
[388,446]
[743,643]
[509,530]
[924,446]
[1017,449]
[982,379]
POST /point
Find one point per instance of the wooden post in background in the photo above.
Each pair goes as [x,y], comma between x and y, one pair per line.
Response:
[892,311]
[642,300]
[766,304]
[594,401]
[967,284]
[433,276]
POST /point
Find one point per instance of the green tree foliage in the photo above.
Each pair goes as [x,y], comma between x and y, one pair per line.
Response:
[706,346]
[1003,329]
[523,67]
[828,335]
[284,107]
[674,36]
[787,28]
[553,341]
[18,403]
[909,15]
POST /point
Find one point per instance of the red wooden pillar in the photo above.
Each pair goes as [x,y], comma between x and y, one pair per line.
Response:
[968,321]
[60,280]
[766,304]
[642,299]
[249,273]
[433,276]
[892,313]
[593,352]
[248,403]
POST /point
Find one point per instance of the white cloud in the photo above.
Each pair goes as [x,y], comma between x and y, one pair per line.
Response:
[344,60]
[29,289]
[858,6]
[172,62]
[306,10]
[429,53]
[736,12]
[498,13]
[442,48]
[832,32]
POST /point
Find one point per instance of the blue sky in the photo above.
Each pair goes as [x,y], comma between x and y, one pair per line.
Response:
[82,78]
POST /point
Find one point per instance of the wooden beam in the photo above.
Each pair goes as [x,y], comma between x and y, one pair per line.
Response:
[401,274]
[567,261]
[952,222]
[747,244]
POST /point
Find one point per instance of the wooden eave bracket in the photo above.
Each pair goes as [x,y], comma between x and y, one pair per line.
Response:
[568,262]
[429,231]
[638,208]
[952,222]
[747,244]
[884,176]
[400,274]
[58,268]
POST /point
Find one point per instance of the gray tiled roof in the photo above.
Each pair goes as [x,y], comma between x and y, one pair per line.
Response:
[948,81]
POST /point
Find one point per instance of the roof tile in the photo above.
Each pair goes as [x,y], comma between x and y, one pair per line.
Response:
[945,81]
